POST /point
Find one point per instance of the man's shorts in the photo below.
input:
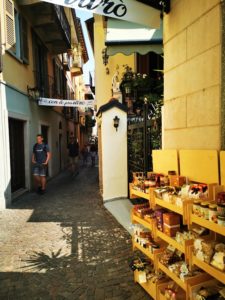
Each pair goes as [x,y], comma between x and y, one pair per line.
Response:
[39,170]
[73,159]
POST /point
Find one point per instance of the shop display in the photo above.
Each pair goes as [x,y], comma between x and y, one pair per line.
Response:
[213,213]
[143,183]
[215,291]
[144,211]
[171,223]
[170,256]
[182,217]
[173,292]
[181,237]
[211,252]
[220,198]
[176,180]
[159,218]
[144,238]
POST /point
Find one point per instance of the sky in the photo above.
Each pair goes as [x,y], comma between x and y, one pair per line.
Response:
[89,66]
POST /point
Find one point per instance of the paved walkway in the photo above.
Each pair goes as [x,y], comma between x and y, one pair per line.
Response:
[65,245]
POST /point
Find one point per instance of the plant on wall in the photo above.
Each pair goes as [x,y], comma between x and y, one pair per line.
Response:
[136,87]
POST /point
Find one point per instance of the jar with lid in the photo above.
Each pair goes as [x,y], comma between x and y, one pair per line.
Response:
[213,213]
[221,220]
[205,210]
[220,198]
[221,209]
[197,207]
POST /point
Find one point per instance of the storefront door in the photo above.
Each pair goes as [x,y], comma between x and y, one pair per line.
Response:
[17,161]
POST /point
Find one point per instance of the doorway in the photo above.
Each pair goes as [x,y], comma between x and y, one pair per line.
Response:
[17,156]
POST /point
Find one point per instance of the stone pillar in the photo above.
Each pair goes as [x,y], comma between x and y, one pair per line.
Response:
[113,151]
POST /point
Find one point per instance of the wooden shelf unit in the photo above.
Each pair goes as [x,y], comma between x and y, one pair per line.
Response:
[207,224]
[136,193]
[151,288]
[138,220]
[171,241]
[186,283]
[198,166]
[183,211]
[219,275]
[147,252]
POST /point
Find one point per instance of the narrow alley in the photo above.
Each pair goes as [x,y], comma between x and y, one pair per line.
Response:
[65,245]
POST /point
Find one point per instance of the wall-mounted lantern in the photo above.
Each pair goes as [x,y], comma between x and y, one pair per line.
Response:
[116,122]
[33,93]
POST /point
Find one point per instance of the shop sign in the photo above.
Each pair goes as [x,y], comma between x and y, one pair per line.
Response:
[66,103]
[129,10]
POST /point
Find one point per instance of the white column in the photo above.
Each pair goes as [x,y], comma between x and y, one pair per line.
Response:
[5,174]
[114,155]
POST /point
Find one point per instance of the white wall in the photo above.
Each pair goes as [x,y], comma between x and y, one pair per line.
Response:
[114,155]
[5,187]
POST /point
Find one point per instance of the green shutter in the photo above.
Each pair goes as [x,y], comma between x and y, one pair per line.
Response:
[24,40]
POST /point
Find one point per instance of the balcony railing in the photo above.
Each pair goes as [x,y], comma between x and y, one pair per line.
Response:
[63,21]
[47,87]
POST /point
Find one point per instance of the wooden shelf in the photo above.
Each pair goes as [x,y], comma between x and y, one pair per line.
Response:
[134,192]
[136,219]
[151,288]
[219,275]
[181,283]
[170,241]
[207,224]
[185,285]
[169,206]
[148,253]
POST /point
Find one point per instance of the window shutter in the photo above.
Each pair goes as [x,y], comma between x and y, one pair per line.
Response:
[10,26]
[24,40]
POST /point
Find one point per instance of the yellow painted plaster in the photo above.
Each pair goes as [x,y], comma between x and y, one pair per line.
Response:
[103,81]
[206,137]
[175,113]
[202,109]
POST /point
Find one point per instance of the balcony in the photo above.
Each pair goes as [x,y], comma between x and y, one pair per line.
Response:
[50,23]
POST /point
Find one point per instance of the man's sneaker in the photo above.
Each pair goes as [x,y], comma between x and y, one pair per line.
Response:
[42,192]
[75,174]
[39,190]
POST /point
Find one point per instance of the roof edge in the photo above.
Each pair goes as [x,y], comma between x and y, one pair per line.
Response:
[112,103]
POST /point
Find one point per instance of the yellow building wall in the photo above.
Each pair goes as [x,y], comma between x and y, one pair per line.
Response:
[16,73]
[103,81]
[192,65]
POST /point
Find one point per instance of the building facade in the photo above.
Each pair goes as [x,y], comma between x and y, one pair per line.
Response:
[41,55]
[193,105]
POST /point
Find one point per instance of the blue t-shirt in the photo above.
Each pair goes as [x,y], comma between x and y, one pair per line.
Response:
[40,152]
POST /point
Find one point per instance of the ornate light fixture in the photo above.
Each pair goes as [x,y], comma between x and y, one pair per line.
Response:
[105,56]
[33,93]
[116,122]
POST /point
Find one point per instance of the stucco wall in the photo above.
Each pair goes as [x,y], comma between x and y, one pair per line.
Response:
[192,87]
[114,155]
[103,81]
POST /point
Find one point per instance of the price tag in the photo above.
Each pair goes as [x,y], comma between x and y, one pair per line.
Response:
[142,277]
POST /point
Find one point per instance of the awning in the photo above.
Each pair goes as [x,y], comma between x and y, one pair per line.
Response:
[131,10]
[127,38]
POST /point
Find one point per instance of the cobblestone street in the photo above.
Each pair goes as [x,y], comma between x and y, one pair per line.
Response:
[65,245]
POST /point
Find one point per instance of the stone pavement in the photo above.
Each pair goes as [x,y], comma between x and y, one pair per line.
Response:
[65,245]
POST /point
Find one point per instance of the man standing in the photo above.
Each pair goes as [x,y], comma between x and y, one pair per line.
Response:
[73,151]
[40,159]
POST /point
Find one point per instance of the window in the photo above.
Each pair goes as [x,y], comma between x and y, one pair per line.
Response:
[16,32]
[40,66]
[60,81]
